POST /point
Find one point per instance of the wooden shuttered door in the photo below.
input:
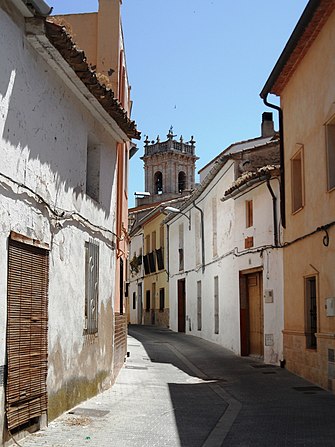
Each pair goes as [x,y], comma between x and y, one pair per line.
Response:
[27,327]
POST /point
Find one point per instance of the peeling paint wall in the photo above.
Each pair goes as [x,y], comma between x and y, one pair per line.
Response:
[44,130]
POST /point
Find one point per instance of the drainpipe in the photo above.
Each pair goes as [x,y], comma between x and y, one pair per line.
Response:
[167,251]
[274,206]
[202,236]
[281,153]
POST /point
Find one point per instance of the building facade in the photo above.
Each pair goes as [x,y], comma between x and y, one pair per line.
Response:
[225,263]
[304,79]
[58,239]
[169,168]
[100,35]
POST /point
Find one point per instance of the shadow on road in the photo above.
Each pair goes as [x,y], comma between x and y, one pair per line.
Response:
[197,407]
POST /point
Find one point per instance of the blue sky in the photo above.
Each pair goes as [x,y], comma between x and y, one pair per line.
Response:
[199,66]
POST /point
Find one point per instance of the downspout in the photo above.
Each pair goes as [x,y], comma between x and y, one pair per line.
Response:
[274,206]
[281,154]
[167,251]
[202,237]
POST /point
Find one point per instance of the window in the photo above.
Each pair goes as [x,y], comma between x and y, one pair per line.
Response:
[93,170]
[311,312]
[146,264]
[160,259]
[249,217]
[134,300]
[153,240]
[330,136]
[91,287]
[147,300]
[214,219]
[199,305]
[152,262]
[181,181]
[297,181]
[181,247]
[216,304]
[249,242]
[161,299]
[158,180]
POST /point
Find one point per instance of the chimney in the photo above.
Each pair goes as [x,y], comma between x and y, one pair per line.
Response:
[267,124]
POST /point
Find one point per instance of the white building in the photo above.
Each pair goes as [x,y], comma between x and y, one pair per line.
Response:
[58,189]
[225,267]
[136,277]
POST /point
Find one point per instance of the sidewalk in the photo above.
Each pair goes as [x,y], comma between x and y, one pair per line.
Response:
[179,390]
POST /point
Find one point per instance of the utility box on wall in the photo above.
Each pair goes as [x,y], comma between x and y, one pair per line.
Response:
[268,295]
[330,307]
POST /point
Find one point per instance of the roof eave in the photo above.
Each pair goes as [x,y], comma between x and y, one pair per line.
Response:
[36,34]
[32,8]
[289,47]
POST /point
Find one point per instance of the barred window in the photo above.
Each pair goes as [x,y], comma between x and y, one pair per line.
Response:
[91,287]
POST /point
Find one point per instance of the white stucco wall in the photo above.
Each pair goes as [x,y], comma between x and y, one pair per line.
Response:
[44,131]
[269,261]
[226,265]
[221,265]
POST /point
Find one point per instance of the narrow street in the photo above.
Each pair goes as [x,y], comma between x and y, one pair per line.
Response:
[180,390]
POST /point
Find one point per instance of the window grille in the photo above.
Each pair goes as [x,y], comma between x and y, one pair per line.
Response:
[216,304]
[147,300]
[311,312]
[161,299]
[91,287]
[199,318]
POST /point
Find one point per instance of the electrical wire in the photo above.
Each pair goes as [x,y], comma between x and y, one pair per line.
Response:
[58,214]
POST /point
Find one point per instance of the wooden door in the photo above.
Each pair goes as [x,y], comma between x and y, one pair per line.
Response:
[27,334]
[254,291]
[181,305]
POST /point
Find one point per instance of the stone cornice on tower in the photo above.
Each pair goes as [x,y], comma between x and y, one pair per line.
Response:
[169,168]
[169,145]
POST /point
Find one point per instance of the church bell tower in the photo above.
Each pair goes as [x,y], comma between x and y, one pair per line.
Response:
[169,168]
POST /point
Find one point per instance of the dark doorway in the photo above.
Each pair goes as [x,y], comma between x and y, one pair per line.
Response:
[181,305]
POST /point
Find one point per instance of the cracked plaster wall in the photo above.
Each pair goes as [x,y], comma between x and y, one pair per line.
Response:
[44,131]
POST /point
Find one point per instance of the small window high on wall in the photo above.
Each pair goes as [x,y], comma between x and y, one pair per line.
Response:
[297,180]
[330,135]
[249,214]
[93,170]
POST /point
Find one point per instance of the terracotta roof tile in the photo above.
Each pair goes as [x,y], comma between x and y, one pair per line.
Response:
[62,41]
